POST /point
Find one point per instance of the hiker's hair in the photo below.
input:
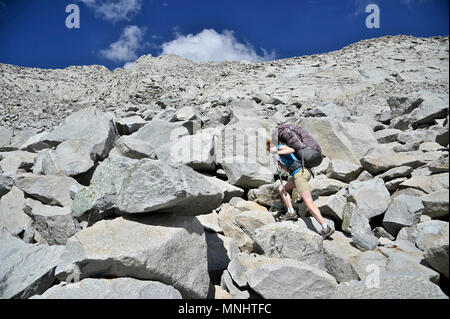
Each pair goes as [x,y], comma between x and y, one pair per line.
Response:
[268,143]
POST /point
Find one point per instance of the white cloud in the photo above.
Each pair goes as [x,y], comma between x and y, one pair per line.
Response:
[125,49]
[114,10]
[208,45]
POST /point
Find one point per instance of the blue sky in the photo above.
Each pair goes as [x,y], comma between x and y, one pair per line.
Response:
[113,33]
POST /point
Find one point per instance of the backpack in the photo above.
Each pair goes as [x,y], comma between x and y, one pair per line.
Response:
[306,147]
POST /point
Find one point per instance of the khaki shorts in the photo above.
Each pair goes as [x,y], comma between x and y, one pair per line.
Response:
[301,180]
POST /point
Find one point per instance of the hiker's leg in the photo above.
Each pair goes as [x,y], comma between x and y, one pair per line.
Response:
[312,207]
[302,184]
[289,185]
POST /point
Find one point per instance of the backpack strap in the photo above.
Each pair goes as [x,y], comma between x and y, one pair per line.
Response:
[301,144]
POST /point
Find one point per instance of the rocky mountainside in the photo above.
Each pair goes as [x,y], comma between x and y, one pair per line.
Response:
[154,181]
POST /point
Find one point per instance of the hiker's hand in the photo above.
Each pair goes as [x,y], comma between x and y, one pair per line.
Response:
[273,150]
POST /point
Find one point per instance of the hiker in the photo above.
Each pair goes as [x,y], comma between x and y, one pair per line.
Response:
[298,169]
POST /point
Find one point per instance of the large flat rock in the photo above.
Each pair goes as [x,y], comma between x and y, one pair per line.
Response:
[49,189]
[119,288]
[97,128]
[160,248]
[391,288]
[26,270]
[142,186]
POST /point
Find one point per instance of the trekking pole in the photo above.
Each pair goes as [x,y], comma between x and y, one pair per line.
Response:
[275,161]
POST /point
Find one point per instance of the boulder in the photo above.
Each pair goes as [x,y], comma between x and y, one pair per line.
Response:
[406,260]
[431,233]
[6,183]
[364,176]
[251,220]
[408,191]
[228,224]
[290,279]
[45,163]
[422,171]
[227,283]
[422,233]
[221,293]
[387,136]
[133,186]
[134,148]
[228,190]
[436,204]
[403,211]
[432,107]
[322,168]
[289,240]
[417,137]
[54,224]
[343,171]
[73,157]
[97,128]
[210,222]
[138,247]
[196,151]
[380,159]
[5,138]
[266,194]
[394,184]
[403,148]
[330,110]
[396,172]
[347,214]
[20,137]
[275,278]
[159,132]
[372,197]
[221,250]
[326,186]
[12,216]
[49,189]
[439,166]
[241,152]
[13,161]
[431,147]
[436,252]
[390,288]
[118,288]
[240,265]
[443,136]
[186,113]
[129,125]
[34,144]
[340,140]
[380,232]
[428,184]
[26,270]
[332,206]
[243,205]
[345,262]
[246,175]
[357,225]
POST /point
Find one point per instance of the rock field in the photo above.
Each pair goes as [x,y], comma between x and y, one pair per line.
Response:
[154,182]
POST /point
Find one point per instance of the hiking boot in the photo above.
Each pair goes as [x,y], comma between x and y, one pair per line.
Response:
[289,216]
[327,232]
